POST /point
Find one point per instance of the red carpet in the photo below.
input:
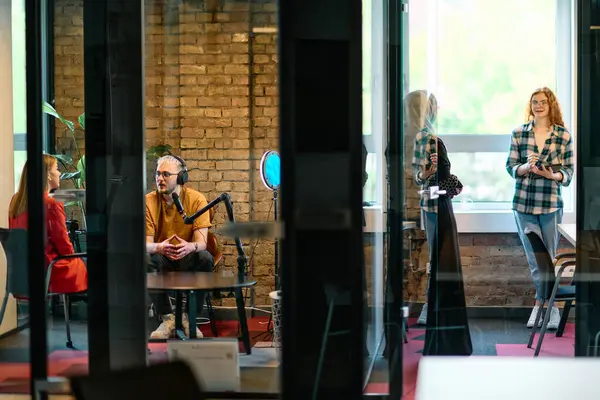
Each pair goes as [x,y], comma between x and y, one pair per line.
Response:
[552,346]
[75,362]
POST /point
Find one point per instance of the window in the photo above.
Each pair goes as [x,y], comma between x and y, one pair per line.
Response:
[374,112]
[19,88]
[374,99]
[20,81]
[482,59]
[370,188]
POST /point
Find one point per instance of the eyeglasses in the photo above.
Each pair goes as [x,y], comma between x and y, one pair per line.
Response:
[541,103]
[165,174]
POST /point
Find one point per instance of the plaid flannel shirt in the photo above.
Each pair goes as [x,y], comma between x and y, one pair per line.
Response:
[535,194]
[425,144]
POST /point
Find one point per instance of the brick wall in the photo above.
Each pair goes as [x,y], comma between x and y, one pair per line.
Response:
[211,93]
[68,70]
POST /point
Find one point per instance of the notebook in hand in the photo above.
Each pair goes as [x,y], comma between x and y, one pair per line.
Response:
[554,167]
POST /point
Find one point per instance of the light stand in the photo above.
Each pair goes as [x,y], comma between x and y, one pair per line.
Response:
[277,280]
[270,175]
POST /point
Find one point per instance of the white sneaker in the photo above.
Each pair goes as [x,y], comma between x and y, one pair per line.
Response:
[553,322]
[422,320]
[186,327]
[554,318]
[166,329]
[532,316]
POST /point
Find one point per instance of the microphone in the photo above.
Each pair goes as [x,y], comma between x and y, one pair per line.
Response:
[179,206]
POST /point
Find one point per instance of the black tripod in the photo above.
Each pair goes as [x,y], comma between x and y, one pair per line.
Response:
[269,330]
[277,278]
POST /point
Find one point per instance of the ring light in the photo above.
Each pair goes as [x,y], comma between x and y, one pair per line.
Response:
[270,169]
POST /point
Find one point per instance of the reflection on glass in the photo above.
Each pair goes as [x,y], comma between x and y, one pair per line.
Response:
[370,188]
[482,77]
[374,202]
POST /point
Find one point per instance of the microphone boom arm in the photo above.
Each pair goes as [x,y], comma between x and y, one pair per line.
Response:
[242,260]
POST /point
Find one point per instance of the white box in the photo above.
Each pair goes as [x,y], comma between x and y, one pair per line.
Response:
[215,362]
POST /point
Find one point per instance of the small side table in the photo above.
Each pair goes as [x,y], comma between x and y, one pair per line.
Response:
[193,282]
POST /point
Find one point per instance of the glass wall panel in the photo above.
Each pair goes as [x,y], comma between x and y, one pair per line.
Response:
[63,95]
[14,345]
[374,187]
[212,99]
[448,92]
[15,332]
[466,89]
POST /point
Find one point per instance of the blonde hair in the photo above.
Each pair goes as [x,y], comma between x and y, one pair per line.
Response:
[170,159]
[554,115]
[415,104]
[18,204]
[431,114]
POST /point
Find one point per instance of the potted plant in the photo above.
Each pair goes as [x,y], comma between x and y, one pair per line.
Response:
[74,170]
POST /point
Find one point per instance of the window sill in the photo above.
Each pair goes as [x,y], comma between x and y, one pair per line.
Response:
[487,221]
[471,221]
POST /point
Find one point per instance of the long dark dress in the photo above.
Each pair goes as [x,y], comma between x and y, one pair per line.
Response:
[447,325]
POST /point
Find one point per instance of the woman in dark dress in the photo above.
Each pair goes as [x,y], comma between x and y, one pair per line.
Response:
[447,325]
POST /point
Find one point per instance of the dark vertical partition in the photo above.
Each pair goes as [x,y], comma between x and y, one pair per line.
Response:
[588,174]
[48,72]
[114,106]
[321,198]
[35,204]
[395,158]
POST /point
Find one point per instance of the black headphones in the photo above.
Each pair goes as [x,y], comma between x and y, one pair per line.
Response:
[182,176]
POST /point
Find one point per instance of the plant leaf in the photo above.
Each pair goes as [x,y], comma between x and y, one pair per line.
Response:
[48,109]
[159,150]
[81,120]
[81,170]
[70,175]
[71,203]
[65,160]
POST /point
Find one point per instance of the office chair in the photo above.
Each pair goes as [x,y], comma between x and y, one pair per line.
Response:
[14,242]
[550,289]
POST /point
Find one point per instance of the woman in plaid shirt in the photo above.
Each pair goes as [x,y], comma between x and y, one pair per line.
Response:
[541,162]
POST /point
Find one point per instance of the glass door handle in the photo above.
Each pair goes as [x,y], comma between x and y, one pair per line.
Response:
[434,192]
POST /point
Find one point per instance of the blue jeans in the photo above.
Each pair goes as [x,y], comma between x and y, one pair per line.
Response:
[546,226]
[430,220]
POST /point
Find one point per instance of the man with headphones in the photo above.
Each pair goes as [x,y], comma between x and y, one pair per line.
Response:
[172,244]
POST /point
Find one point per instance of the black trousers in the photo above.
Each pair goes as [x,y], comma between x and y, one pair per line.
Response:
[194,262]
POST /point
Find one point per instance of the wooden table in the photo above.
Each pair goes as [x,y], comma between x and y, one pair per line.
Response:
[192,282]
[569,231]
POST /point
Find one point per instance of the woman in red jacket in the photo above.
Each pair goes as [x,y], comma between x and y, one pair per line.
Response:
[70,275]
